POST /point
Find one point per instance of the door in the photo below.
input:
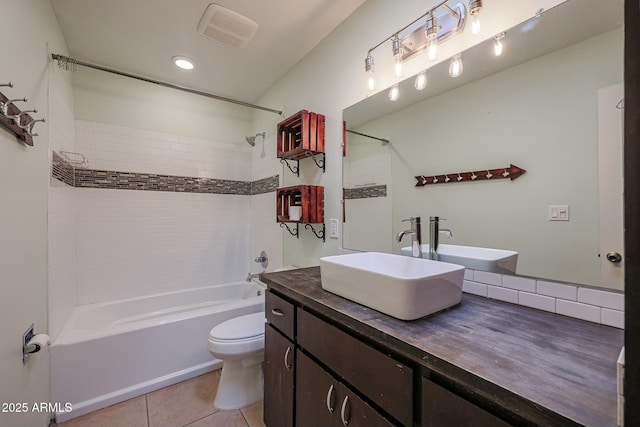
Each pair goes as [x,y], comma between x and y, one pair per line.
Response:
[610,162]
[278,379]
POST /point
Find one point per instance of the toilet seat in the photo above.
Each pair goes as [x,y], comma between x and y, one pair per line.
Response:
[241,328]
[238,336]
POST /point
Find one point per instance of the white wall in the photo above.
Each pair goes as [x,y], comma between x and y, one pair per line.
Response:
[332,77]
[26,27]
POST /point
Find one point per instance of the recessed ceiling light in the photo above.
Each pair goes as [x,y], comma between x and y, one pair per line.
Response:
[183,62]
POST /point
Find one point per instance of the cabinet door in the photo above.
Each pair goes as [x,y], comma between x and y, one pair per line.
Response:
[441,407]
[279,363]
[322,401]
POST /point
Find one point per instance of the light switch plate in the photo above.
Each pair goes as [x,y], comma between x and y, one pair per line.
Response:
[558,212]
[333,228]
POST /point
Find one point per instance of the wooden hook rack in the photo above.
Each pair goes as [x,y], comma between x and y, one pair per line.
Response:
[7,121]
[512,172]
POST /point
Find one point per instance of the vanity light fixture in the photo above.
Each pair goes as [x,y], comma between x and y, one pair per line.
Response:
[397,55]
[183,62]
[421,80]
[394,93]
[497,44]
[475,6]
[369,68]
[455,66]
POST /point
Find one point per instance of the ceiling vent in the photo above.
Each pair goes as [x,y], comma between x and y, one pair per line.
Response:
[226,26]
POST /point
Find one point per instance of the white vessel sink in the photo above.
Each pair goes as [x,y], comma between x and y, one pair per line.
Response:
[402,287]
[486,259]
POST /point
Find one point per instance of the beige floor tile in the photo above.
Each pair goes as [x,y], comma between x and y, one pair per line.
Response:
[254,415]
[222,419]
[130,413]
[183,403]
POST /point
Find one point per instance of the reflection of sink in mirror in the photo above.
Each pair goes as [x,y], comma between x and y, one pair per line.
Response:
[486,259]
[402,287]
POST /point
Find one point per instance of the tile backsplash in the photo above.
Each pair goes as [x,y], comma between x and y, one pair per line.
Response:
[593,305]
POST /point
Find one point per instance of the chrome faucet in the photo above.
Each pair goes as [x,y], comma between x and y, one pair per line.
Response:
[434,236]
[416,236]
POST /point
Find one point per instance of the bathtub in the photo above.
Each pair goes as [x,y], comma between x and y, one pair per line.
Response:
[113,351]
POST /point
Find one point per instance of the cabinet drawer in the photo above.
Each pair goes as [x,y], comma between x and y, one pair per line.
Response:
[440,407]
[381,378]
[322,401]
[280,313]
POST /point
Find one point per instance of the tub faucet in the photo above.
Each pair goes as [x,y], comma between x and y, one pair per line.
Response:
[252,276]
[434,236]
[416,236]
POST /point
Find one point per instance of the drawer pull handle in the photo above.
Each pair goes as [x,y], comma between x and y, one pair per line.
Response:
[277,312]
[344,411]
[330,399]
[286,359]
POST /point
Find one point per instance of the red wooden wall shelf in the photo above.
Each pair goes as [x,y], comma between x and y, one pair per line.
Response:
[309,197]
[301,135]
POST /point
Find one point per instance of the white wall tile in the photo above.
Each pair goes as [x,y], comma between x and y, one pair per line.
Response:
[468,274]
[474,288]
[557,290]
[487,278]
[519,283]
[612,300]
[579,311]
[539,302]
[503,294]
[613,318]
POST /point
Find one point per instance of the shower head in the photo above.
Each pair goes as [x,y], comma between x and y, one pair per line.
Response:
[251,140]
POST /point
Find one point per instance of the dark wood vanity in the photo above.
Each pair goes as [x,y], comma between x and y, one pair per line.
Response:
[332,362]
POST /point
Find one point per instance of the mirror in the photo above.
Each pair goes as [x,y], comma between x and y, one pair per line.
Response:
[536,106]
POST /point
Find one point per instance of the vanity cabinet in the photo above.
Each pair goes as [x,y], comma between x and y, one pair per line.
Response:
[323,401]
[318,374]
[440,407]
[279,362]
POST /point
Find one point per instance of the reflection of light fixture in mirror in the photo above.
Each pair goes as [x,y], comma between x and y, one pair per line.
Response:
[431,32]
[455,67]
[368,66]
[421,80]
[394,93]
[497,44]
[397,55]
[475,6]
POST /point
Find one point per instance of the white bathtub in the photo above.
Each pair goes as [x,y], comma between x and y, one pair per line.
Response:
[111,352]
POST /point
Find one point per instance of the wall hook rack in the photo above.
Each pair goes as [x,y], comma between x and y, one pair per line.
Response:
[511,172]
[295,232]
[319,234]
[16,121]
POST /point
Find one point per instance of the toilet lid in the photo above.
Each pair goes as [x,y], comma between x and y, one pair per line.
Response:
[247,326]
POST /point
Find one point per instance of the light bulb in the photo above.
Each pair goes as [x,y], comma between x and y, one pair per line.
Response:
[475,24]
[397,55]
[369,68]
[497,47]
[421,80]
[432,49]
[497,44]
[371,81]
[394,93]
[455,67]
[183,62]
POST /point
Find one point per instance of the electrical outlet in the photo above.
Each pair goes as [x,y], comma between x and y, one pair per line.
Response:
[333,228]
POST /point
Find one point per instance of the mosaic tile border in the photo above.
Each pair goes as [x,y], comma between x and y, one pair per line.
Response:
[115,180]
[365,192]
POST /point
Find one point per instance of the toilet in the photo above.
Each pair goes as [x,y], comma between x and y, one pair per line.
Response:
[239,343]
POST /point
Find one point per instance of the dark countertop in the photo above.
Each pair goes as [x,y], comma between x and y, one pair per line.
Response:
[530,367]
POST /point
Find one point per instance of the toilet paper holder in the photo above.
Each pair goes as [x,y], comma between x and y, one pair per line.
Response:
[29,346]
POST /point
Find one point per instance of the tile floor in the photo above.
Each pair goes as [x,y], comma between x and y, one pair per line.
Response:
[189,403]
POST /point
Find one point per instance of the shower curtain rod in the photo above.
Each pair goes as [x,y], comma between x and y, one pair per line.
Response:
[384,141]
[67,63]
